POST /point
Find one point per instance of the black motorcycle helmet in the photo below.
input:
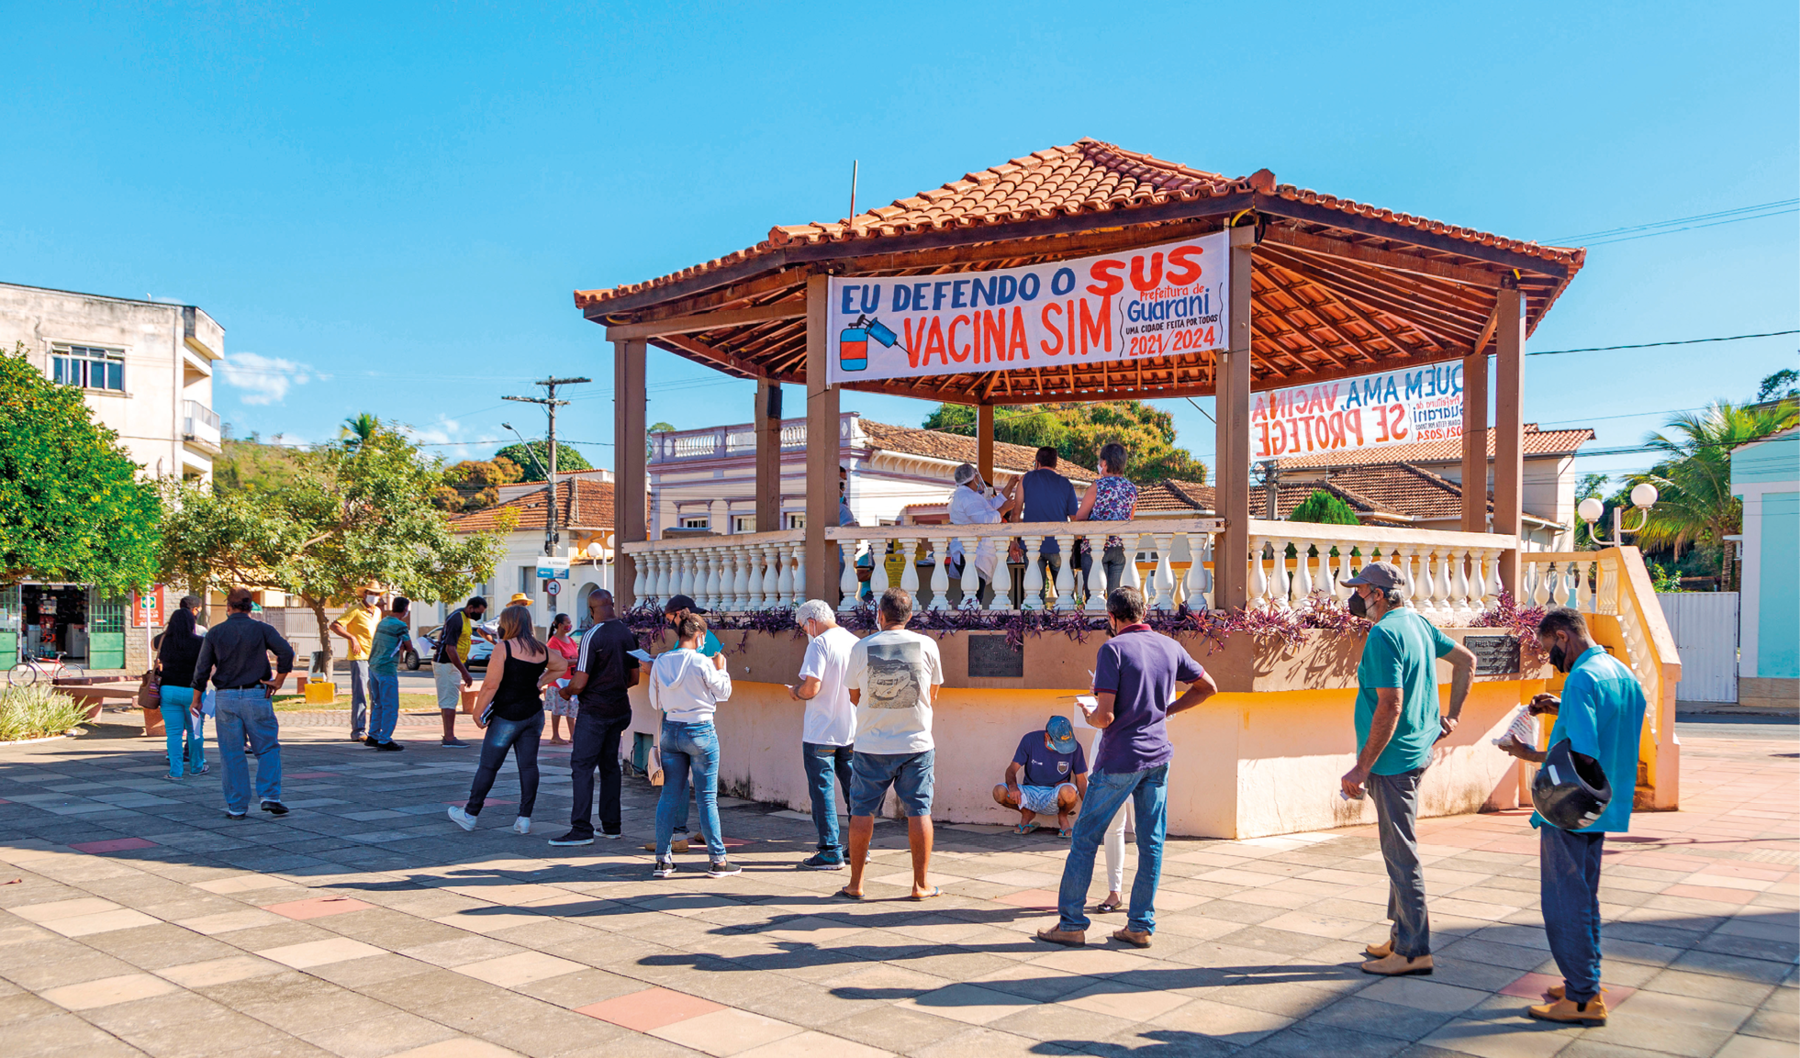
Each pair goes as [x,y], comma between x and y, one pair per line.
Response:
[1570,790]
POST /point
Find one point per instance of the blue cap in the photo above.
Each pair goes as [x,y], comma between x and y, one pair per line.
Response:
[1062,734]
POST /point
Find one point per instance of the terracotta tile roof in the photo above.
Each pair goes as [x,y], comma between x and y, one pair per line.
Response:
[1401,488]
[581,504]
[1084,177]
[1537,443]
[1172,495]
[956,448]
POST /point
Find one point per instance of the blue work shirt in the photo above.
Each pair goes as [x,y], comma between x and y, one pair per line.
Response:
[1602,715]
[1401,653]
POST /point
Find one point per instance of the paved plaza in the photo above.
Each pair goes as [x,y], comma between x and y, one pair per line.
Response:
[138,920]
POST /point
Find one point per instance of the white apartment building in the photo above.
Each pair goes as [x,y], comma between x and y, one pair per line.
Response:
[146,370]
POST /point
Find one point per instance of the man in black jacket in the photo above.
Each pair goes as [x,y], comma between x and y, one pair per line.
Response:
[604,672]
[235,656]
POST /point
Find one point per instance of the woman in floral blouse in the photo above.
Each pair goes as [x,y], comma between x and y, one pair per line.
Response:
[1109,499]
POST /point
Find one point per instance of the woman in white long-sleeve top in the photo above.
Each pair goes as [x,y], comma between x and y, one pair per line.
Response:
[687,687]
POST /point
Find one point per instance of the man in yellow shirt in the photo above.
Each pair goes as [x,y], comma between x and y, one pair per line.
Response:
[357,626]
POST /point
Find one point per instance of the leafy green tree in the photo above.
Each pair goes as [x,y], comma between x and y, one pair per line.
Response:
[1079,431]
[1782,385]
[567,458]
[346,517]
[1693,481]
[358,428]
[72,506]
[1591,486]
[1323,508]
[251,464]
[474,483]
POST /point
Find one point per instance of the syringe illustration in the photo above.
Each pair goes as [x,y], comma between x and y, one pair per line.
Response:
[853,343]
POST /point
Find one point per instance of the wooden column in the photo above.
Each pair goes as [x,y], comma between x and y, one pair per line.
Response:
[1509,428]
[1474,441]
[821,451]
[629,480]
[767,427]
[1231,395]
[984,441]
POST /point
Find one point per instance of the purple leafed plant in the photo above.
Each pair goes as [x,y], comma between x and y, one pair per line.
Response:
[1506,614]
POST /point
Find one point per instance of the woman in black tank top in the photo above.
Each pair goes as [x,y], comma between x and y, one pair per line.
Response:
[511,709]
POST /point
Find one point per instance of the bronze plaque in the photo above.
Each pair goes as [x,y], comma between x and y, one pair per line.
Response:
[991,658]
[1494,655]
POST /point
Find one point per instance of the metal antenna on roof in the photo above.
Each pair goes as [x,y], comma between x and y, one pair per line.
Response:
[854,163]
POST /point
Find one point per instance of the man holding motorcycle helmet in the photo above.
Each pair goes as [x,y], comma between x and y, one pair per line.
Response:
[1582,790]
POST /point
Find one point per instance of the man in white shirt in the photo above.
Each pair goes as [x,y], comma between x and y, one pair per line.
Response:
[829,728]
[894,677]
[971,504]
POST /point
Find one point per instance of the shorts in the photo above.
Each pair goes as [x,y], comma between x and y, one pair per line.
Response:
[1041,799]
[910,774]
[449,685]
[560,705]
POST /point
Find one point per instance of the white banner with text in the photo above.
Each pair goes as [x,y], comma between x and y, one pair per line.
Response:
[1156,301]
[1370,411]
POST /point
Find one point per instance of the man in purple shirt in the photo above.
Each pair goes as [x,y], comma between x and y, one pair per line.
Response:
[1134,682]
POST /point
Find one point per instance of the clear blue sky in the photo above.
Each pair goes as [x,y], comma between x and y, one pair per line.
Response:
[397,200]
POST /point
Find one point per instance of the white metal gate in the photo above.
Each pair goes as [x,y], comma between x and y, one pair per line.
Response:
[1705,626]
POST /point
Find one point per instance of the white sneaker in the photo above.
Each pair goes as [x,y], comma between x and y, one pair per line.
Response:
[461,818]
[522,825]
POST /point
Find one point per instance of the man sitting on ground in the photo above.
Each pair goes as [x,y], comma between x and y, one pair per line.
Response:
[1054,770]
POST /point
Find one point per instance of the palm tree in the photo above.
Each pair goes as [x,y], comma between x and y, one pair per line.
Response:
[357,429]
[1695,505]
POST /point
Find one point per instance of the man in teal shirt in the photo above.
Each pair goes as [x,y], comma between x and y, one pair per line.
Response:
[384,678]
[1397,723]
[1601,713]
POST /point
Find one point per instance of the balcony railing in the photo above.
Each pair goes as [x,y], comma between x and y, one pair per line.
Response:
[200,425]
[1454,575]
[716,442]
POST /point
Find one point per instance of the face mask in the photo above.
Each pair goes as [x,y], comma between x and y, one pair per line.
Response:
[1358,605]
[371,600]
[1559,658]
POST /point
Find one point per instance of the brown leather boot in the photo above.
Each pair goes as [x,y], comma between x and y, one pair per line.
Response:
[1396,965]
[1555,992]
[1566,1010]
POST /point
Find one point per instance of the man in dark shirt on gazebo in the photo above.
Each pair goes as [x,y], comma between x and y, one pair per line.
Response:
[235,656]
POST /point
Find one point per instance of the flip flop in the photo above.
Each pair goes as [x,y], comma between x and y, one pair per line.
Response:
[921,897]
[1107,907]
[1023,829]
[846,894]
[1064,832]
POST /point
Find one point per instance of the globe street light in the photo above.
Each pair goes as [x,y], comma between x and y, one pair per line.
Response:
[1643,497]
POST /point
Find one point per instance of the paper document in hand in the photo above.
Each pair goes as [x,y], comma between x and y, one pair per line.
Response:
[1523,729]
[642,655]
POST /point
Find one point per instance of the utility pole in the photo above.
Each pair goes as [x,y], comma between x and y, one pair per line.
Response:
[550,403]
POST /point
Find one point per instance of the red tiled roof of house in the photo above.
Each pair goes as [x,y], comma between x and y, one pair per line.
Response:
[957,448]
[1084,177]
[581,504]
[1537,443]
[1173,495]
[1401,488]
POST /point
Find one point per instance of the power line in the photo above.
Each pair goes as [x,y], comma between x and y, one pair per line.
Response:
[1652,345]
[1675,224]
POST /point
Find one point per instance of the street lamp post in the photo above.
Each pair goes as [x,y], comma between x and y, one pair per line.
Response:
[1643,497]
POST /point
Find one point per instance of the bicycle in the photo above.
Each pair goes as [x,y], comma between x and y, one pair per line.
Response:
[30,668]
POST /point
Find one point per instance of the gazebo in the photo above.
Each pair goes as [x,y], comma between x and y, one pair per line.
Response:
[1320,288]
[1086,273]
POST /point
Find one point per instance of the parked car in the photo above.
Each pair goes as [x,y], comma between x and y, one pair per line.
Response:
[479,648]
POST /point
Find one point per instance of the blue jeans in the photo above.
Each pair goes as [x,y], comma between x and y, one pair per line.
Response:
[1569,888]
[360,694]
[178,728]
[239,715]
[827,771]
[1106,793]
[384,705]
[520,736]
[690,753]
